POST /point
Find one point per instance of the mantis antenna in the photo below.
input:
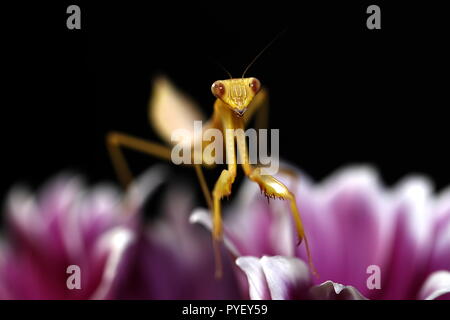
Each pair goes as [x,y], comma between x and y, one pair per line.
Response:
[262,51]
[222,67]
[228,72]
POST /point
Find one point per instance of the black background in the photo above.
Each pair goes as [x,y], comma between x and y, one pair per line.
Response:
[340,93]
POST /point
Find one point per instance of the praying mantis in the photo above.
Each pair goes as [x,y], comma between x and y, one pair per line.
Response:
[238,100]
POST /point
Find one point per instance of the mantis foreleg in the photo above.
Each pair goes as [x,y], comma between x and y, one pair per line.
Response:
[272,188]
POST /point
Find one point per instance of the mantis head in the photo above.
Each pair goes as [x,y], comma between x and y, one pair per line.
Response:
[236,93]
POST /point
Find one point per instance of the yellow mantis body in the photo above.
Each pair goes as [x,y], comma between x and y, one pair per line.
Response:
[237,101]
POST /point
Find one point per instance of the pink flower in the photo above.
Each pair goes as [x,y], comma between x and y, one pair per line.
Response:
[174,259]
[99,231]
[65,225]
[355,227]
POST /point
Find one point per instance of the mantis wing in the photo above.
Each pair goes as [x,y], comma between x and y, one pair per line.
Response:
[170,110]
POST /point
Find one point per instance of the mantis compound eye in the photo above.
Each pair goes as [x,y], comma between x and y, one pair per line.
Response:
[255,85]
[218,89]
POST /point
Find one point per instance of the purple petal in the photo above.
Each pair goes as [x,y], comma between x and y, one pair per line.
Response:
[436,286]
[287,278]
[175,259]
[334,291]
[276,277]
[440,259]
[203,217]
[260,227]
[144,186]
[258,287]
[115,242]
[410,246]
[345,229]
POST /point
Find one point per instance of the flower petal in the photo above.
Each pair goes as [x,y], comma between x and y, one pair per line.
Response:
[287,278]
[276,277]
[330,290]
[258,288]
[411,244]
[441,247]
[144,186]
[203,217]
[342,219]
[436,285]
[116,242]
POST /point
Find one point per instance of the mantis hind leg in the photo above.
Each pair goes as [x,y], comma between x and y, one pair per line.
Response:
[116,141]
